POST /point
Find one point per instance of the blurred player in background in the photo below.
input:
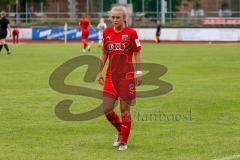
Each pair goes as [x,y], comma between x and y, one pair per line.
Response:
[158,32]
[120,43]
[15,35]
[101,26]
[85,25]
[4,23]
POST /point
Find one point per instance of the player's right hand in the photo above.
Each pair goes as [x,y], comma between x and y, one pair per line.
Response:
[100,79]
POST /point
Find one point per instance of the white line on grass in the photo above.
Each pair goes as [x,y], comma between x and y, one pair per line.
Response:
[229,158]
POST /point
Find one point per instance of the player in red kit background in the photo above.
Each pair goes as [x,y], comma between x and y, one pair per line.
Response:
[120,43]
[15,35]
[85,25]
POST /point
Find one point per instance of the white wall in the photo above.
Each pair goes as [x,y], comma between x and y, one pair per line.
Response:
[175,34]
[191,34]
[25,33]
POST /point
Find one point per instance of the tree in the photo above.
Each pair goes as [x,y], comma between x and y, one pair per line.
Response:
[150,5]
[5,3]
[107,4]
[33,3]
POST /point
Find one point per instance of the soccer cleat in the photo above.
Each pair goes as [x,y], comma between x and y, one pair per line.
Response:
[88,48]
[84,50]
[8,53]
[122,147]
[117,142]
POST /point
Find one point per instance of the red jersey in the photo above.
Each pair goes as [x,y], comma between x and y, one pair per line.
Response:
[15,31]
[84,23]
[120,47]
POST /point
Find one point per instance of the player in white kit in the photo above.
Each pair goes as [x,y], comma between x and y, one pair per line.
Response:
[101,26]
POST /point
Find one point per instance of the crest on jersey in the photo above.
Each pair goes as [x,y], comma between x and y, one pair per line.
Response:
[124,37]
[131,87]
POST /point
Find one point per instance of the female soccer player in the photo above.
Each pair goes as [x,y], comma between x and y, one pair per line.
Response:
[120,43]
[4,23]
[85,25]
[15,35]
[158,31]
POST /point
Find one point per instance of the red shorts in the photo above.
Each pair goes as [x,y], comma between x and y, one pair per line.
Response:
[123,88]
[15,32]
[85,33]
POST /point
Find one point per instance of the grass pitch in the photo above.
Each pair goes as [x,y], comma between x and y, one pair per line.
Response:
[200,117]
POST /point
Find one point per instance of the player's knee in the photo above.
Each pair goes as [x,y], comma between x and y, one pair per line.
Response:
[125,112]
[108,109]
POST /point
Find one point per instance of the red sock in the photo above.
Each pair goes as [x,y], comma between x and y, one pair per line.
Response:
[114,119]
[125,128]
[85,45]
[13,39]
[16,40]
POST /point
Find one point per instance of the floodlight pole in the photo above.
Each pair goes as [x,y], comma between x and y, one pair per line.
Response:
[102,7]
[143,6]
[87,7]
[157,9]
[170,9]
[17,16]
[26,11]
[162,11]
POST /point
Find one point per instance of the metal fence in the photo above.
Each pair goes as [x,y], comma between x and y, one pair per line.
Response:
[139,19]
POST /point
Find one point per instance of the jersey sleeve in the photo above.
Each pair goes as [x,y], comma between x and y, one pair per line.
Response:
[136,43]
[104,40]
[80,23]
[88,22]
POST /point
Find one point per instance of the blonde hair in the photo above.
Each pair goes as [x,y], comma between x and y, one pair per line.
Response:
[101,20]
[122,9]
[3,14]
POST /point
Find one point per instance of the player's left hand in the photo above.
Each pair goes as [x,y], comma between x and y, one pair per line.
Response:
[138,80]
[100,79]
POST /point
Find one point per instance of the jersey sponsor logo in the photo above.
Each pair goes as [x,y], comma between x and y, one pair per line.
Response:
[45,33]
[137,42]
[122,46]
